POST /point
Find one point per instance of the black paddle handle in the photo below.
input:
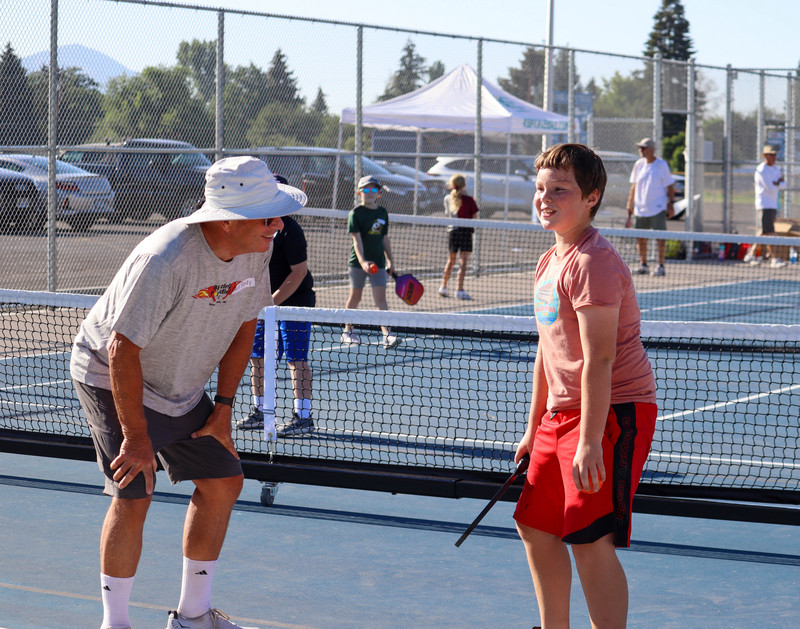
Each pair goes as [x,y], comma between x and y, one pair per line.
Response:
[522,466]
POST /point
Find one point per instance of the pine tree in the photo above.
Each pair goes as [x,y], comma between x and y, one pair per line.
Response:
[527,80]
[17,126]
[409,77]
[435,70]
[670,34]
[320,105]
[282,84]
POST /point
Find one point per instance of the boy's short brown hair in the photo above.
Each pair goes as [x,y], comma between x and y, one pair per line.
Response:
[590,174]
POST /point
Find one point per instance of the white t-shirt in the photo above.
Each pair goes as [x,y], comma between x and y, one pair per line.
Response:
[652,180]
[181,304]
[766,189]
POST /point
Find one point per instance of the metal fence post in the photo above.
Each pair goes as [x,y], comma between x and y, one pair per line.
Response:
[359,103]
[219,135]
[571,97]
[760,123]
[52,142]
[690,152]
[478,148]
[658,122]
[789,140]
[727,155]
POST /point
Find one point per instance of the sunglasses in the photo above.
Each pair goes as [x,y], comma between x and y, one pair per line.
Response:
[370,189]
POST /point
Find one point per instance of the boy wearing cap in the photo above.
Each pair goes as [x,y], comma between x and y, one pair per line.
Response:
[769,182]
[652,200]
[183,305]
[370,255]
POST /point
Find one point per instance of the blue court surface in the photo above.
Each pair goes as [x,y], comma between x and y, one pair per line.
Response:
[765,301]
[328,558]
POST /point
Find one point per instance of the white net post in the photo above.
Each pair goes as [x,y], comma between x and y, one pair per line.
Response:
[270,352]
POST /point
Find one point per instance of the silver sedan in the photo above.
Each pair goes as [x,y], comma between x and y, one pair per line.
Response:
[83,197]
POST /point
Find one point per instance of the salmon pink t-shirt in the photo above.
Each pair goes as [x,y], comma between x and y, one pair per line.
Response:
[590,273]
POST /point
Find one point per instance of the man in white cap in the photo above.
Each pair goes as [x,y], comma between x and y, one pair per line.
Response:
[651,200]
[769,182]
[183,305]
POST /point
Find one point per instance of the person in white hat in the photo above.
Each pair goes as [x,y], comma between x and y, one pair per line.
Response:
[768,181]
[183,305]
[651,201]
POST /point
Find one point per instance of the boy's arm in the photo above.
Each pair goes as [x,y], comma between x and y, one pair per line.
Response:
[387,250]
[358,247]
[599,352]
[290,284]
[538,407]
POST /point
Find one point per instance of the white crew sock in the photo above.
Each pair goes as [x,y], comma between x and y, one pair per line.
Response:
[259,402]
[303,408]
[198,576]
[116,594]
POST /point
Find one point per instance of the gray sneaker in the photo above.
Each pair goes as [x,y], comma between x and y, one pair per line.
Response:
[660,272]
[390,341]
[298,426]
[254,420]
[212,619]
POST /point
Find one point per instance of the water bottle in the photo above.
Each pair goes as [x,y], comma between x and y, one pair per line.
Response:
[792,255]
[721,254]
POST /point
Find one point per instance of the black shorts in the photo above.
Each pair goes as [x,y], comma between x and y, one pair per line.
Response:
[459,239]
[182,457]
[768,221]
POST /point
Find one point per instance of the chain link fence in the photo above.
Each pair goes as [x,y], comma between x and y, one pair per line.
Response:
[96,154]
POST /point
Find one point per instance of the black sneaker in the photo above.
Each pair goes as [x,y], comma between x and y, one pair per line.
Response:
[297,426]
[254,420]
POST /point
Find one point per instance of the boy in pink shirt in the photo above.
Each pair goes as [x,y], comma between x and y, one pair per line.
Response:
[593,408]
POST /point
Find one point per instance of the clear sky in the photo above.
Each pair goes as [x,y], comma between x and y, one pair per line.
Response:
[723,32]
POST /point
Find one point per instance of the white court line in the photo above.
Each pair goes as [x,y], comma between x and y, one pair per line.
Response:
[727,300]
[35,384]
[747,398]
[707,458]
[97,599]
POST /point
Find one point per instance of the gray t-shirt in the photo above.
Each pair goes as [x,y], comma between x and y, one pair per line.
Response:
[175,299]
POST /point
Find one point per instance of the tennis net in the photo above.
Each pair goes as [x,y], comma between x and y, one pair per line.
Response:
[706,275]
[442,413]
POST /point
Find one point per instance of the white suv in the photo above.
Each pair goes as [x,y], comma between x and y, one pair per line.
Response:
[521,181]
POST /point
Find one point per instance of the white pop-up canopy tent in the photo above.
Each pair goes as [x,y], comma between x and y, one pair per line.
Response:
[450,104]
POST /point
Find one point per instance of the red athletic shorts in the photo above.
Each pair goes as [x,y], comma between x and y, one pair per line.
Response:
[550,501]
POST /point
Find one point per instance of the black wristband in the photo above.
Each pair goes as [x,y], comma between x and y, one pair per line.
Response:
[219,399]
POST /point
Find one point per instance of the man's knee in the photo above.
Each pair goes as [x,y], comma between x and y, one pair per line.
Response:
[229,487]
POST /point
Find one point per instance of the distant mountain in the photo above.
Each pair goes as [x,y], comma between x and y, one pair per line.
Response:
[94,64]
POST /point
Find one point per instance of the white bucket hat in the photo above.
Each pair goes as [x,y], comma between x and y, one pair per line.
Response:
[242,188]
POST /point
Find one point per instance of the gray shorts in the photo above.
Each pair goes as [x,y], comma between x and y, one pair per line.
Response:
[180,456]
[659,221]
[358,278]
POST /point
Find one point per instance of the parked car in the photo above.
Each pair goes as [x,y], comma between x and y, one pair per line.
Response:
[436,187]
[168,183]
[20,208]
[520,184]
[83,197]
[312,169]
